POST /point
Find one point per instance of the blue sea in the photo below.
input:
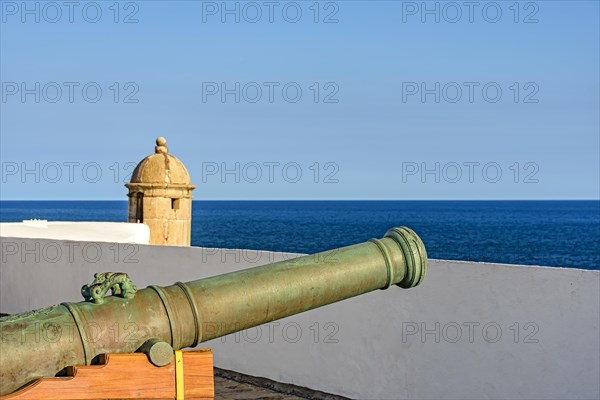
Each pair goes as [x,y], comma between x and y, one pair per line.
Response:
[548,233]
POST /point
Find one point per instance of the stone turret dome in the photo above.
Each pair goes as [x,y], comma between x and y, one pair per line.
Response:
[161,168]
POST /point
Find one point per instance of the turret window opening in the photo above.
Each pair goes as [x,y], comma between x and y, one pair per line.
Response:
[139,207]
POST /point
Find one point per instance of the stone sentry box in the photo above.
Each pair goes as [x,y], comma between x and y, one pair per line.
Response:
[160,196]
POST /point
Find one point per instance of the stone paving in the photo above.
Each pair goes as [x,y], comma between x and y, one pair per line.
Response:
[231,385]
[227,389]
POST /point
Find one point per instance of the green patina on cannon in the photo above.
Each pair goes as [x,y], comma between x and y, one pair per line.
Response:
[43,342]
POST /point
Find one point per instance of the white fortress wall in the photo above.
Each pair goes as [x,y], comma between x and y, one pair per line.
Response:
[115,232]
[471,330]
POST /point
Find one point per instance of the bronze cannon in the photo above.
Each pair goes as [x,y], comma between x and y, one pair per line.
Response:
[43,342]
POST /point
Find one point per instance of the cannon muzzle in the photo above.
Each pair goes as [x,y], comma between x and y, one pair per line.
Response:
[43,342]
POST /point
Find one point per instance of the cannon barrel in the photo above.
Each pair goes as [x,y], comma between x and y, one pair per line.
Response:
[43,342]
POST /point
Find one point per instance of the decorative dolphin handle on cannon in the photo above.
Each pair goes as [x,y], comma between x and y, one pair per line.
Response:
[41,343]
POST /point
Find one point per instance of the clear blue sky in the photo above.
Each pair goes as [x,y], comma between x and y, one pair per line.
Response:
[365,133]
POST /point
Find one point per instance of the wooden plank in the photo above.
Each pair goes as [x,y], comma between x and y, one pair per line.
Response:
[126,376]
[198,375]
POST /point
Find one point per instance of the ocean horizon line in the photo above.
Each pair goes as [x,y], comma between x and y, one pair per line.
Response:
[308,200]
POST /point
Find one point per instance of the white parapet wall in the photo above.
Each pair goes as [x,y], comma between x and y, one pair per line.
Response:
[115,232]
[470,331]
